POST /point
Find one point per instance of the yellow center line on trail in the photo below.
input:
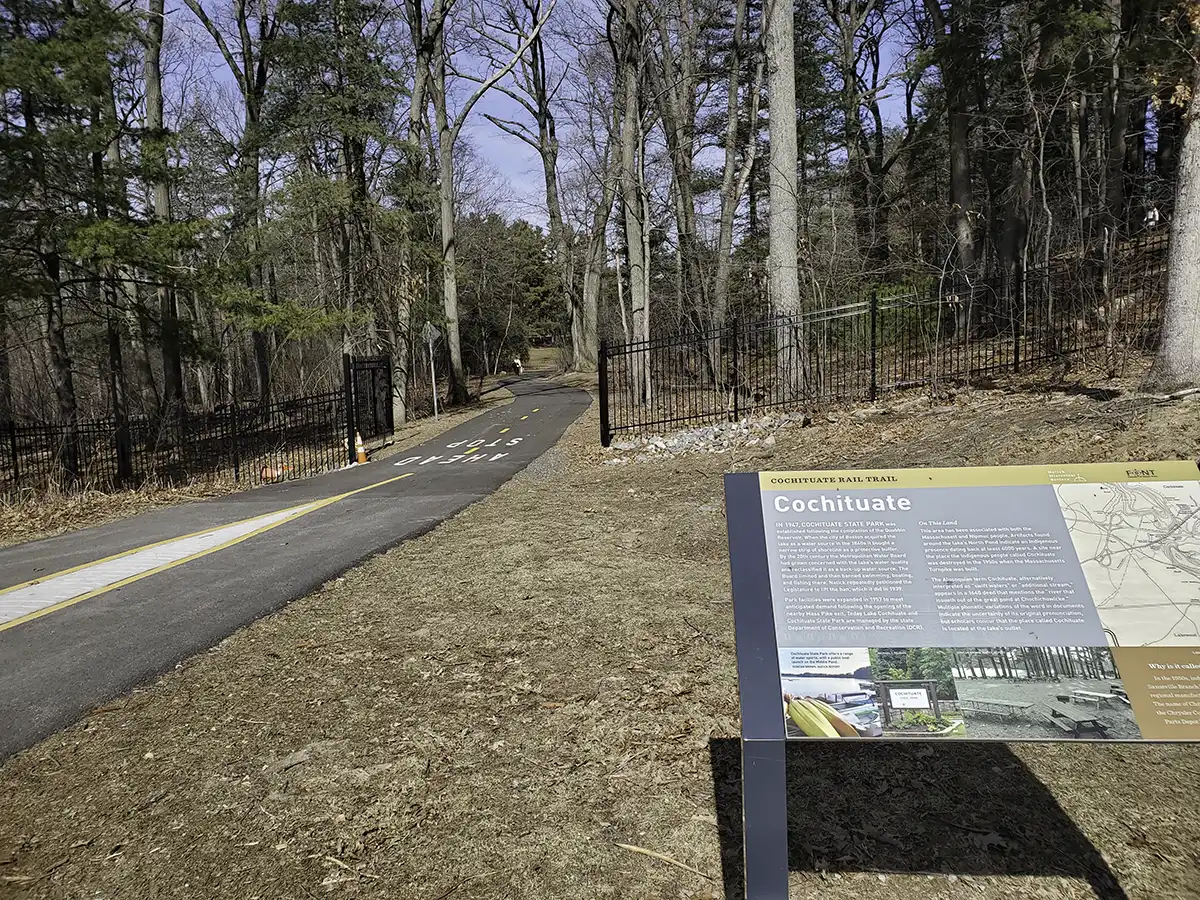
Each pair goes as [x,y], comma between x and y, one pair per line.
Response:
[26,594]
[536,408]
[503,430]
[472,450]
[523,418]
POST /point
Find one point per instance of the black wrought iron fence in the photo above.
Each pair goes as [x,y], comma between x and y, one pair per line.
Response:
[953,332]
[245,441]
[373,395]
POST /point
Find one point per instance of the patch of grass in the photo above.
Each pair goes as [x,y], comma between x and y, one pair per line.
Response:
[493,709]
[546,359]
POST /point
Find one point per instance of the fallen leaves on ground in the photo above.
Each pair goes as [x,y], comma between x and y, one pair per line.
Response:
[495,708]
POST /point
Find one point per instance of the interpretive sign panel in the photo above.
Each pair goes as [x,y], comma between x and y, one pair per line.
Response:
[1009,603]
[1024,592]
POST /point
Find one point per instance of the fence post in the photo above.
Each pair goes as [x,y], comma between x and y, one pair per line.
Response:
[236,439]
[1019,318]
[348,382]
[124,447]
[12,446]
[733,372]
[605,432]
[389,414]
[874,345]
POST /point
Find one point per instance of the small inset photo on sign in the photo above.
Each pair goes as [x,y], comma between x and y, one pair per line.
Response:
[1042,693]
[917,694]
[827,692]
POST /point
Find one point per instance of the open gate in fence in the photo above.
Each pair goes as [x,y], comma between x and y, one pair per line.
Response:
[371,380]
[368,387]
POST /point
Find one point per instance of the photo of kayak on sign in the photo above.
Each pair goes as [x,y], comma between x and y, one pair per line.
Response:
[1005,603]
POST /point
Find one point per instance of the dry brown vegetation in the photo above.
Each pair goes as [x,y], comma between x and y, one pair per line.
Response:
[490,710]
[30,517]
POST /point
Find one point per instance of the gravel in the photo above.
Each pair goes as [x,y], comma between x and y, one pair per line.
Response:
[549,465]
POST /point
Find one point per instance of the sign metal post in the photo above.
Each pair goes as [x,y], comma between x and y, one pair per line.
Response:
[431,334]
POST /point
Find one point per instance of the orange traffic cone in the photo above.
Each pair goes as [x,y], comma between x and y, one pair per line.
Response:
[359,450]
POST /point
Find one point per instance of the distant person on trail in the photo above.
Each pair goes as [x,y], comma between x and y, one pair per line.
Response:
[517,367]
[1153,219]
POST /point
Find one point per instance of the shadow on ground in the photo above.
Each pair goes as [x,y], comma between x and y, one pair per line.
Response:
[954,809]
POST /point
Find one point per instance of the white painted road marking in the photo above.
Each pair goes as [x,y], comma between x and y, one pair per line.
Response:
[480,442]
[33,599]
[465,457]
[56,588]
[470,455]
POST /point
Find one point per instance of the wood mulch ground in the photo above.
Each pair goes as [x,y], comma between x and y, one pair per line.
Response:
[493,709]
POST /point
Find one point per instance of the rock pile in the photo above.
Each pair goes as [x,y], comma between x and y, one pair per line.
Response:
[758,431]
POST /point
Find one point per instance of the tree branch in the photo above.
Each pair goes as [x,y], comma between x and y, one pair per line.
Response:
[500,74]
[211,28]
[516,129]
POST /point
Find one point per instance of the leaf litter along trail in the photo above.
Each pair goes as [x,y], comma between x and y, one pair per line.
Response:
[33,517]
[492,710]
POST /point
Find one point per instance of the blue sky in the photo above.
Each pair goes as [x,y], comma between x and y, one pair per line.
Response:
[513,160]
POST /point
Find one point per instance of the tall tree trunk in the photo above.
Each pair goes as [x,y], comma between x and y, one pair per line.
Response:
[256,277]
[1178,361]
[962,194]
[536,83]
[116,288]
[7,413]
[674,92]
[1116,113]
[1168,117]
[458,379]
[423,30]
[54,335]
[739,162]
[783,192]
[595,254]
[154,157]
[1135,155]
[1074,114]
[631,199]
[583,346]
[957,59]
[121,291]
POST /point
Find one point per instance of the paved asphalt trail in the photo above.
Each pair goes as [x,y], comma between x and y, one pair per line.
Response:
[58,666]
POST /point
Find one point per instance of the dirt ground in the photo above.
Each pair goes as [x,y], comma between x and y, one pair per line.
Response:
[494,709]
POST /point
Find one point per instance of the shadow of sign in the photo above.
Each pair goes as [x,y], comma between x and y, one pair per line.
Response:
[953,809]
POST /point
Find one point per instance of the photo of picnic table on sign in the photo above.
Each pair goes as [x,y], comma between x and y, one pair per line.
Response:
[1042,693]
[835,693]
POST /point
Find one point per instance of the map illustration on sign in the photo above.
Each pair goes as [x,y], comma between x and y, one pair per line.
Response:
[1139,546]
[1008,603]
